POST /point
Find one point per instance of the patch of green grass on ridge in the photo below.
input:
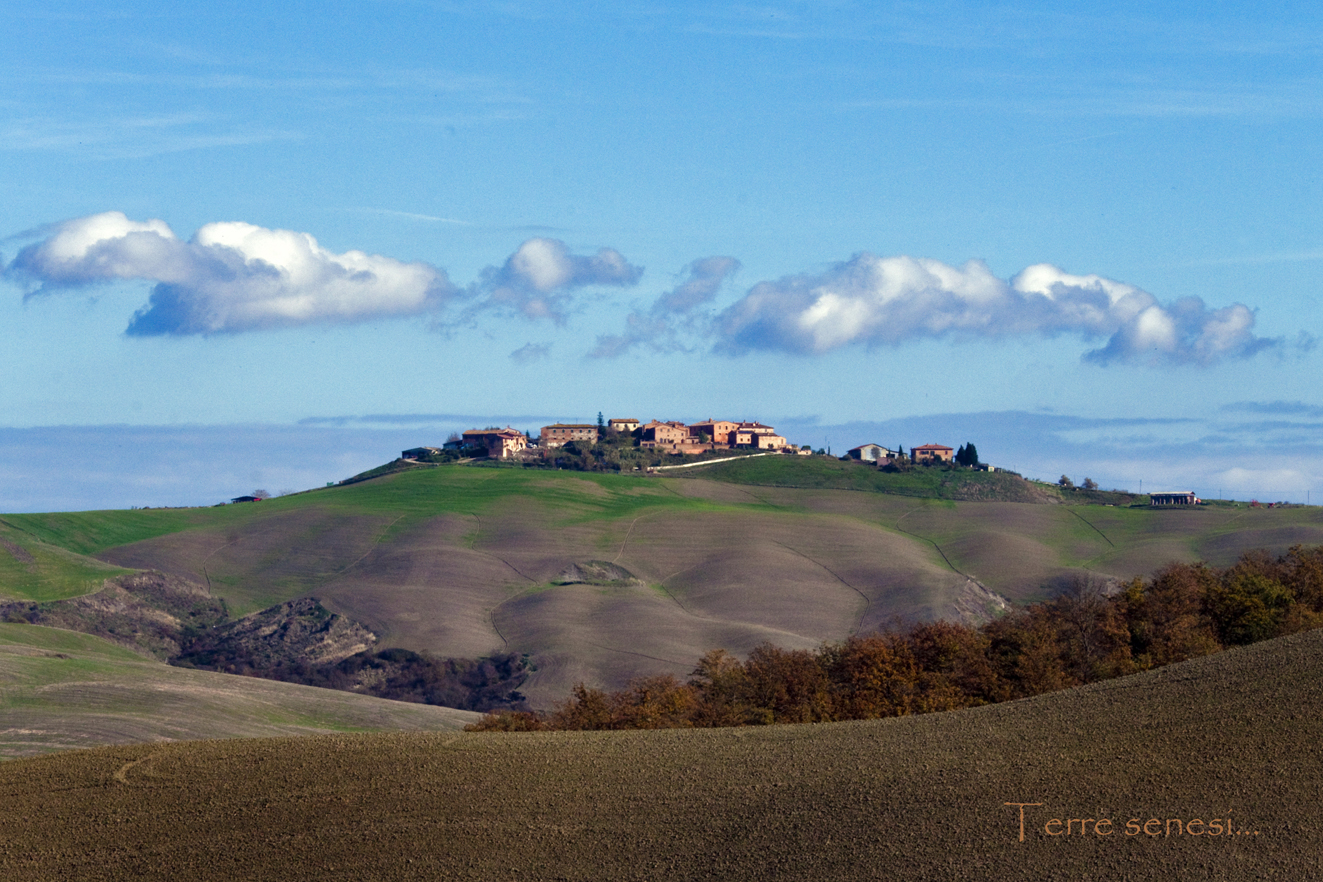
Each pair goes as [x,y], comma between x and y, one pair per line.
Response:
[38,571]
[571,497]
[826,473]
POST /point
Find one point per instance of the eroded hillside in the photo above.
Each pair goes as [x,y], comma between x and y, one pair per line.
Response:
[466,562]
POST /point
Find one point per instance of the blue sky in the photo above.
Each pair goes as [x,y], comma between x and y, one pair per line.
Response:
[832,216]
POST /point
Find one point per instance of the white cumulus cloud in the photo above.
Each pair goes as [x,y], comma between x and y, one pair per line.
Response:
[230,276]
[537,279]
[873,300]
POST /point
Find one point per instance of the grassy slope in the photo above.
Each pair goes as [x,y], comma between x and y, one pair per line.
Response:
[60,690]
[31,569]
[88,532]
[824,473]
[923,798]
[460,561]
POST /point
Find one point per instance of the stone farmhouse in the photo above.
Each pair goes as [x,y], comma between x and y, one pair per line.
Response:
[562,433]
[710,434]
[671,437]
[715,430]
[930,453]
[756,435]
[669,434]
[500,443]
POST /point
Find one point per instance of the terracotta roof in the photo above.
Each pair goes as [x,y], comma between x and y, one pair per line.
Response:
[507,431]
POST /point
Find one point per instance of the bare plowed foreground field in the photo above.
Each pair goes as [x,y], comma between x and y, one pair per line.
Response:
[1210,769]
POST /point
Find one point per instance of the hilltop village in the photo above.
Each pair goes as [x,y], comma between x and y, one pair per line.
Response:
[629,444]
[652,442]
[670,437]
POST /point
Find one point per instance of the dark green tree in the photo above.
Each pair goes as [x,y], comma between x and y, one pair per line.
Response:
[1247,607]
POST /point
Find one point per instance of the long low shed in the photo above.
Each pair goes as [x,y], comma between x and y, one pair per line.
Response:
[1183,498]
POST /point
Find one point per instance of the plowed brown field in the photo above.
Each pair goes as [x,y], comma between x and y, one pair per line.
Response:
[1235,736]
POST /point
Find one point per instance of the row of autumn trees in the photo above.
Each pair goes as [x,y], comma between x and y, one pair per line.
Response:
[1083,635]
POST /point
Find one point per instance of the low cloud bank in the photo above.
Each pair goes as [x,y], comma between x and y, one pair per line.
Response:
[1275,408]
[202,465]
[874,301]
[185,465]
[1217,456]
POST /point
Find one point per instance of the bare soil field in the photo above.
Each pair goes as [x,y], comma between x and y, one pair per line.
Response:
[1209,769]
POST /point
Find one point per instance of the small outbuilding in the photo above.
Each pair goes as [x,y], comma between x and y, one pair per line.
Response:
[1185,497]
[870,453]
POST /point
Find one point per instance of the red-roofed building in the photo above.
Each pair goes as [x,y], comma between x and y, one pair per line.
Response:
[717,431]
[932,453]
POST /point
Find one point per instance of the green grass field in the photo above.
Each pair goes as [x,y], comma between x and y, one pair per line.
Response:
[62,690]
[460,561]
[822,472]
[1230,741]
[32,569]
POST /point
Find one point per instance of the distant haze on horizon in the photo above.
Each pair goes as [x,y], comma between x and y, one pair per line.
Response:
[1088,241]
[78,468]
